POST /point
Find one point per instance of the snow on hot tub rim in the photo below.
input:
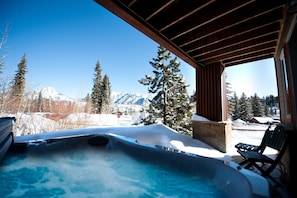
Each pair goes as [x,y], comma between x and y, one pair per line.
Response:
[155,134]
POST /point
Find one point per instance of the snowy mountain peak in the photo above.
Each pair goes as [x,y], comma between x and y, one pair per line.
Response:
[118,98]
[130,99]
[51,93]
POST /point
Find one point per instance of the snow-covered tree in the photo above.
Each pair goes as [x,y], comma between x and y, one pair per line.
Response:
[235,101]
[171,102]
[257,106]
[39,102]
[271,103]
[18,86]
[96,91]
[106,95]
[245,109]
[19,81]
[101,93]
[230,101]
[88,107]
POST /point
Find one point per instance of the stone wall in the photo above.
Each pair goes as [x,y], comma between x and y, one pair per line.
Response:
[215,134]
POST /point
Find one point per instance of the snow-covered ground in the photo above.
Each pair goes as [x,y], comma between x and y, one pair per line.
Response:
[30,124]
[34,123]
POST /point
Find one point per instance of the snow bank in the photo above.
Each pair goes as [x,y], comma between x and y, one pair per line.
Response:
[200,118]
[91,119]
[34,123]
[31,124]
[27,124]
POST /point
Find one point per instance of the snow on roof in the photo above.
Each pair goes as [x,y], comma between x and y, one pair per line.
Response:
[263,120]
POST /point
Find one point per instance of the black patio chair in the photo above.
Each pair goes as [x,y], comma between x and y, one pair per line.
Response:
[258,148]
[254,156]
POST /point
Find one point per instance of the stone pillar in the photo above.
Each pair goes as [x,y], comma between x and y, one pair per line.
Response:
[215,134]
[211,103]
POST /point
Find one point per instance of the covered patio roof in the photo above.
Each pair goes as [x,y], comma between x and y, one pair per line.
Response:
[207,31]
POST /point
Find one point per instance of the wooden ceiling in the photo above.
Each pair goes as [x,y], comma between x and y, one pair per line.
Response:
[203,32]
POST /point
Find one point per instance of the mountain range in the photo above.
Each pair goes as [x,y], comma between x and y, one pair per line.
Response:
[118,98]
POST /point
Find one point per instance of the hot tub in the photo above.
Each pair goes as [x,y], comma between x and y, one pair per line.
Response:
[94,163]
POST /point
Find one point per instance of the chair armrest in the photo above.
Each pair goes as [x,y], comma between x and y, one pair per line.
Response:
[246,147]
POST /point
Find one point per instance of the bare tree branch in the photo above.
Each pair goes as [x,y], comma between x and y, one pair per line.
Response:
[2,42]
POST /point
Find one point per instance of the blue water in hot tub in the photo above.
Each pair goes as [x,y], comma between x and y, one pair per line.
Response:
[76,169]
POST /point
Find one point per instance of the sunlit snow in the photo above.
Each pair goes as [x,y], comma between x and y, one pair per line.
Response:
[152,135]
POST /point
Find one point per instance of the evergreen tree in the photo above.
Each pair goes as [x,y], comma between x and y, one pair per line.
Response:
[106,95]
[235,102]
[193,97]
[40,102]
[193,100]
[19,81]
[257,107]
[245,109]
[88,107]
[271,102]
[230,101]
[266,110]
[18,86]
[171,102]
[96,91]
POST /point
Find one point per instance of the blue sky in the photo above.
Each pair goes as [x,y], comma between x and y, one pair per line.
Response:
[255,77]
[64,39]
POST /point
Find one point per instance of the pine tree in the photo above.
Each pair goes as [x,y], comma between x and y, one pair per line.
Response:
[40,102]
[245,109]
[230,101]
[257,107]
[19,81]
[271,102]
[236,108]
[106,95]
[193,97]
[88,107]
[18,87]
[96,92]
[171,102]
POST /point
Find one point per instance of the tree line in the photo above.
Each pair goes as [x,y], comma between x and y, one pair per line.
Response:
[245,108]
